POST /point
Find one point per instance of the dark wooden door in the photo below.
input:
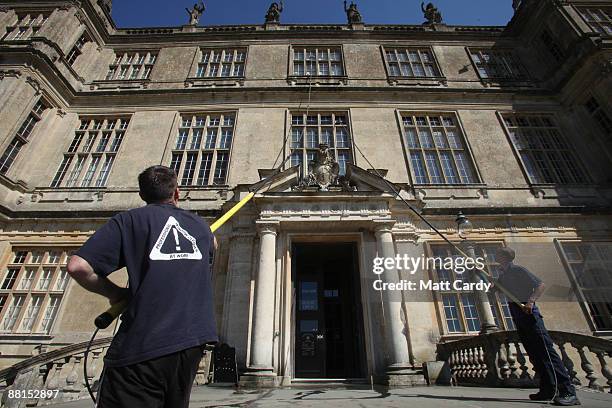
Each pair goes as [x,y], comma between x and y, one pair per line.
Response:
[326,341]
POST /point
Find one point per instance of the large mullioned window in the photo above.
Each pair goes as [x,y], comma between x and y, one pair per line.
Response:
[437,150]
[77,49]
[317,61]
[552,46]
[201,153]
[600,19]
[131,66]
[310,130]
[497,65]
[546,155]
[33,284]
[88,160]
[22,136]
[591,266]
[27,26]
[221,63]
[600,116]
[411,62]
[460,309]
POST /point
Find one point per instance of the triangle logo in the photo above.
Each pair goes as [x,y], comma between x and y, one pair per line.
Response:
[171,232]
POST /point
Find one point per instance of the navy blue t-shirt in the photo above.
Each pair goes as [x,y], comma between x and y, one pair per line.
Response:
[166,251]
[521,283]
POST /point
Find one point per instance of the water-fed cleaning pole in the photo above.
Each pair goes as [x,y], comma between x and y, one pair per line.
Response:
[105,319]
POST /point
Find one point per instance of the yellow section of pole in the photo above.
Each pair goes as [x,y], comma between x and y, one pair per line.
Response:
[105,319]
[217,224]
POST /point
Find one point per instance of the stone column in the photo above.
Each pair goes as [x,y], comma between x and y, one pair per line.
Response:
[399,369]
[260,371]
[487,321]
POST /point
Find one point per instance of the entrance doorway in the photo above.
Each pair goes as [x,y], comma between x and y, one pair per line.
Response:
[328,314]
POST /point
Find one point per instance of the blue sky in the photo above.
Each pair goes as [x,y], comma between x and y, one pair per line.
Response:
[168,13]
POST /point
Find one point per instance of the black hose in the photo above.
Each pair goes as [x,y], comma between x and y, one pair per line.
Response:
[87,350]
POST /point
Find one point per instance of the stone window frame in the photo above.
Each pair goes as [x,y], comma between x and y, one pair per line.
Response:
[77,48]
[499,303]
[478,180]
[37,259]
[561,140]
[599,115]
[23,132]
[222,52]
[316,79]
[308,152]
[121,69]
[552,45]
[29,28]
[186,145]
[568,262]
[92,152]
[590,15]
[502,54]
[410,80]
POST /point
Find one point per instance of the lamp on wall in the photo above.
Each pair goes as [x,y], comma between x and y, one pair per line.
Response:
[464,225]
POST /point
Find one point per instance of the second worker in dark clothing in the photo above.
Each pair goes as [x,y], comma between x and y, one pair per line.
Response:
[555,382]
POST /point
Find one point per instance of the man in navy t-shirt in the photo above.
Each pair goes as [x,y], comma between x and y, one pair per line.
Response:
[555,382]
[154,355]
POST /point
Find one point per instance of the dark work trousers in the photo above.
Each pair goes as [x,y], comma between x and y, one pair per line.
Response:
[163,382]
[539,346]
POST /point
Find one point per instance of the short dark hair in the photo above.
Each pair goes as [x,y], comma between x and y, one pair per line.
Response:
[506,252]
[157,184]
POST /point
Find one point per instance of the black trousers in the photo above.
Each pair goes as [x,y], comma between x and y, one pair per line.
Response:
[164,382]
[539,346]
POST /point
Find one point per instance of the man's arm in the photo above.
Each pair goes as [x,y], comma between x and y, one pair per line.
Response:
[537,292]
[81,271]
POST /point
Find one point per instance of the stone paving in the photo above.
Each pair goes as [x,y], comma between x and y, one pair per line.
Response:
[343,396]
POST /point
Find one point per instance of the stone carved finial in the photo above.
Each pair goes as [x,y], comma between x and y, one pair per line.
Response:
[431,14]
[352,14]
[195,13]
[274,12]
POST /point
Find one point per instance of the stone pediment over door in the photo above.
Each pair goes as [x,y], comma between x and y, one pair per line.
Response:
[356,179]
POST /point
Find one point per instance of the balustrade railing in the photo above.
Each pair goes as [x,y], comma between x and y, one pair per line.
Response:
[57,376]
[499,359]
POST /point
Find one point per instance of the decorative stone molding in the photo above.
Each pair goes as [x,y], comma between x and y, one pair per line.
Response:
[34,84]
[605,66]
[383,226]
[317,81]
[335,210]
[483,192]
[10,73]
[213,82]
[419,82]
[406,236]
[267,227]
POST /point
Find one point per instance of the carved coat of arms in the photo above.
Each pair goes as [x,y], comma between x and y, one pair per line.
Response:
[323,170]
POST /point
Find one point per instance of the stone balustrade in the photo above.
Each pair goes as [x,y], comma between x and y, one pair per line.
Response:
[499,359]
[62,370]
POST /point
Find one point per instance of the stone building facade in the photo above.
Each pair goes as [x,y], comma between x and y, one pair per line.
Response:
[510,125]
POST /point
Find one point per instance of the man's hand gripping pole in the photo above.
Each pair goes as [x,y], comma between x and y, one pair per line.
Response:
[105,319]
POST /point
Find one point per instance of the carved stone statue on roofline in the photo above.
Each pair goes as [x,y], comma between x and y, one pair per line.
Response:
[274,12]
[431,13]
[352,14]
[195,13]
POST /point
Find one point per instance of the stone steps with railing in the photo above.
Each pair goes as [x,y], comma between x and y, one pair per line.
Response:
[499,359]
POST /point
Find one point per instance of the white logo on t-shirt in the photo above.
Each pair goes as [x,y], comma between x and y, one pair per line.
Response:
[173,225]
